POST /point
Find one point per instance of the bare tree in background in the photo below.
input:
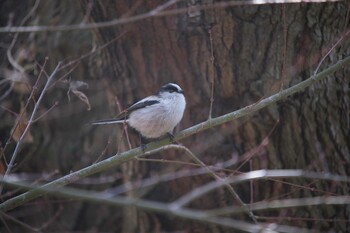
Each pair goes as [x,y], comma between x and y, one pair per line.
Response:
[226,55]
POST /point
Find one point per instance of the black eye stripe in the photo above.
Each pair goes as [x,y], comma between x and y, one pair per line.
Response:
[169,88]
[172,89]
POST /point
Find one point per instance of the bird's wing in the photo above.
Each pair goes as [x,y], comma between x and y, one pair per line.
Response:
[124,114]
[141,104]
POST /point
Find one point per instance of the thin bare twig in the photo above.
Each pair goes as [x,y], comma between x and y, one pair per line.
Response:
[81,26]
[144,16]
[279,218]
[253,175]
[125,127]
[75,62]
[94,50]
[151,147]
[51,218]
[21,115]
[46,112]
[285,38]
[206,216]
[19,143]
[10,58]
[212,59]
[248,156]
[104,150]
[9,50]
[216,177]
[8,91]
[285,203]
[346,34]
[20,223]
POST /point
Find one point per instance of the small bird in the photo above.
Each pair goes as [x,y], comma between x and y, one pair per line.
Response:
[155,115]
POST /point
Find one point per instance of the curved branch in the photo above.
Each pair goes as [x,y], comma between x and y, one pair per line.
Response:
[30,121]
[284,203]
[128,155]
[157,12]
[207,216]
[253,175]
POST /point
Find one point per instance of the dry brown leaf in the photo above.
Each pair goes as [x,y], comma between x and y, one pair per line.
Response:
[83,98]
[19,127]
[20,80]
[2,168]
[74,86]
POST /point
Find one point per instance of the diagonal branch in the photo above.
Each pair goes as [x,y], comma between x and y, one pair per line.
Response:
[128,155]
[253,175]
[30,122]
[284,203]
[216,177]
[157,12]
[207,216]
[87,26]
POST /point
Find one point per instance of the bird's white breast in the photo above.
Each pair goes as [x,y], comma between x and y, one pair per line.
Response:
[156,120]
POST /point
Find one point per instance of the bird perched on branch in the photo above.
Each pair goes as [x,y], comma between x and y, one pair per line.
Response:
[155,115]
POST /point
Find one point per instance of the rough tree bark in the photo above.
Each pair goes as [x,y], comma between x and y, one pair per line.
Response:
[257,51]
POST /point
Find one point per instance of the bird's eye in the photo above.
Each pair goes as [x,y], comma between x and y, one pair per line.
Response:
[169,88]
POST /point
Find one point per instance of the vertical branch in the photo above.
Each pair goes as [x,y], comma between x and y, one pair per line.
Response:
[32,117]
[125,156]
[10,58]
[251,184]
[21,114]
[216,177]
[212,59]
[284,53]
[345,35]
[125,127]
[347,18]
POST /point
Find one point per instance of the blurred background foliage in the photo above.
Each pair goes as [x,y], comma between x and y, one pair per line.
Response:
[250,51]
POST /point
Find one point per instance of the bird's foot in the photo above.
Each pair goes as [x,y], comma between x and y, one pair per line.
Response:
[171,138]
[143,147]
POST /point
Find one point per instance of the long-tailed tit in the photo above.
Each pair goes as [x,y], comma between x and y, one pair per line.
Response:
[155,115]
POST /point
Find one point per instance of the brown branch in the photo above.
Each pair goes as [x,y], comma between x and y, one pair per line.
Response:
[30,122]
[148,15]
[128,155]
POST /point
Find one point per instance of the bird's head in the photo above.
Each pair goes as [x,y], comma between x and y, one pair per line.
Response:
[170,89]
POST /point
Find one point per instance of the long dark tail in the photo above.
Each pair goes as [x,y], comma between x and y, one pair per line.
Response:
[109,121]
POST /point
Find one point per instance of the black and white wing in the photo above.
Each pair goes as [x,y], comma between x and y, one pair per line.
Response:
[151,100]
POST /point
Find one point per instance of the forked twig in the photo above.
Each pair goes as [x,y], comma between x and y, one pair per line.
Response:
[177,205]
[212,59]
[125,156]
[32,117]
[147,15]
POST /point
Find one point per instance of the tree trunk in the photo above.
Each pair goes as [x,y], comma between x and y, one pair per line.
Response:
[247,53]
[251,52]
